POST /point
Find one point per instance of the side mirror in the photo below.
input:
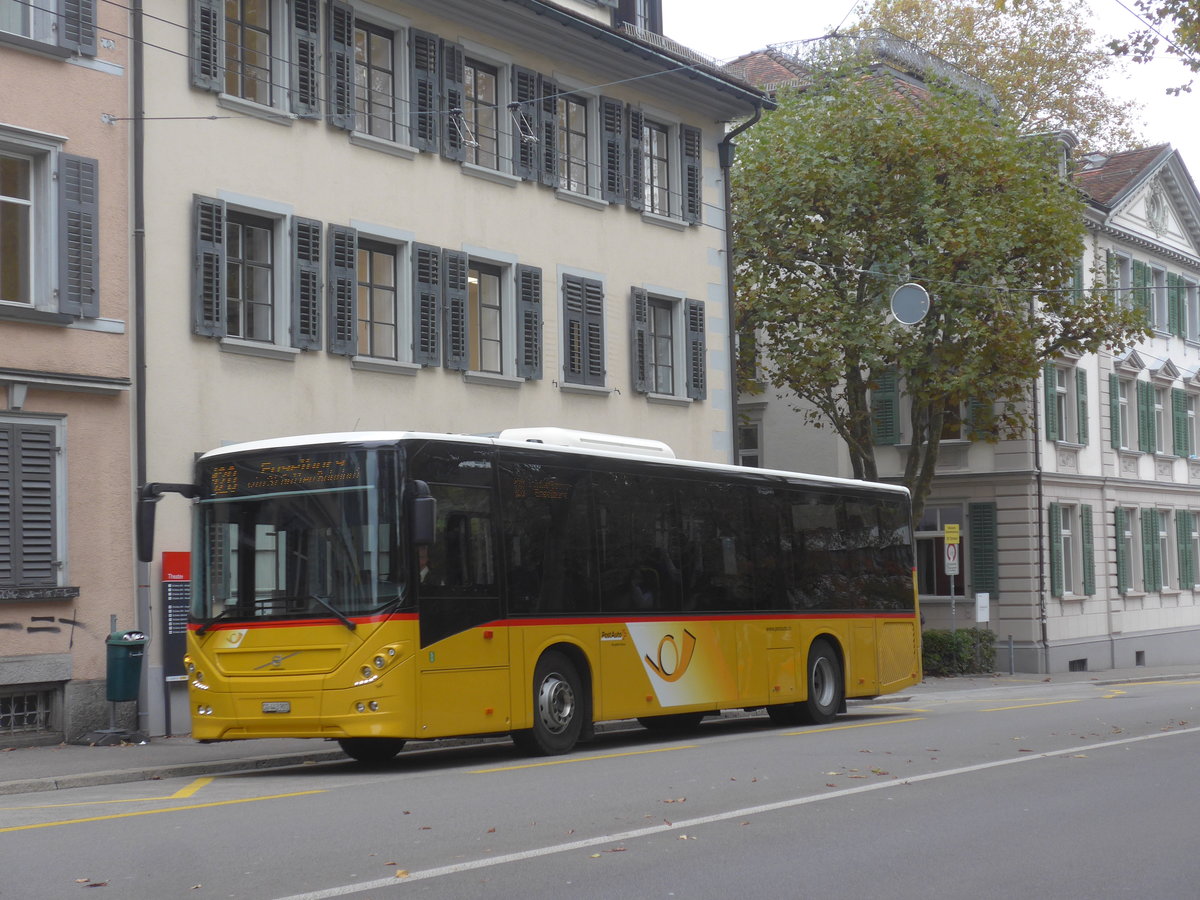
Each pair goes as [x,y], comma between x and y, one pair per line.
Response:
[422,515]
[148,495]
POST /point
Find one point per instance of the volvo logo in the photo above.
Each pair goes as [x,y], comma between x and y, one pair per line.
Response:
[275,661]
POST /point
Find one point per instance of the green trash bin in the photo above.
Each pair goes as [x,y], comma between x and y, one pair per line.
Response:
[125,652]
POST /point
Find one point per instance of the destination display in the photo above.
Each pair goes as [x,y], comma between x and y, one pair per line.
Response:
[285,471]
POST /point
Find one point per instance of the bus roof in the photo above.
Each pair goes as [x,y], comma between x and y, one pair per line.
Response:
[594,445]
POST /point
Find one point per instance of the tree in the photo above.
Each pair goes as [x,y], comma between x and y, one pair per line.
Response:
[1176,23]
[859,183]
[1041,58]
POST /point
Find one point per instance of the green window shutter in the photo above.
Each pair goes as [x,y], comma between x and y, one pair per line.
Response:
[529,318]
[1183,547]
[885,409]
[640,337]
[525,108]
[1175,315]
[343,290]
[1077,280]
[1145,414]
[982,542]
[1081,405]
[697,350]
[1151,557]
[452,90]
[456,345]
[426,304]
[306,17]
[1050,390]
[1114,411]
[1088,547]
[207,59]
[339,66]
[78,236]
[208,267]
[423,90]
[1179,423]
[1141,289]
[981,420]
[1123,560]
[612,126]
[693,174]
[1056,557]
[306,284]
[1112,273]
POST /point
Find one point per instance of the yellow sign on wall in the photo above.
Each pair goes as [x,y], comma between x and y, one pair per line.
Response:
[951,533]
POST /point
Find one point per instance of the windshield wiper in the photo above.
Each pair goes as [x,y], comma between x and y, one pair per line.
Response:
[226,612]
[346,620]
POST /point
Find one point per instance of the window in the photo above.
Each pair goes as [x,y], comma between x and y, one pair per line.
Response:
[750,444]
[573,144]
[70,26]
[374,81]
[642,14]
[1191,433]
[480,114]
[1155,548]
[1158,287]
[1191,304]
[250,267]
[1188,529]
[932,579]
[583,330]
[248,50]
[1129,558]
[377,300]
[669,346]
[1122,403]
[1160,419]
[1072,551]
[485,318]
[1168,564]
[31,503]
[15,17]
[656,168]
[49,229]
[1066,404]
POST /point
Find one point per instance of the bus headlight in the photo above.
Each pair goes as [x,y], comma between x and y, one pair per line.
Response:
[380,662]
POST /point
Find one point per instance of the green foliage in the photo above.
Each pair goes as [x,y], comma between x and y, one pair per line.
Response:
[965,651]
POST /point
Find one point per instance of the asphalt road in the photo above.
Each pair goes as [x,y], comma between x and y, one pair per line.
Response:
[1050,791]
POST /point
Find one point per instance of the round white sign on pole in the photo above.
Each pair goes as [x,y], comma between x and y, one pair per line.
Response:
[910,303]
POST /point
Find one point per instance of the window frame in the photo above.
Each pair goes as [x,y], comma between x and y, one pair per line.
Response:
[397,73]
[471,106]
[243,219]
[475,316]
[933,540]
[567,163]
[366,324]
[275,58]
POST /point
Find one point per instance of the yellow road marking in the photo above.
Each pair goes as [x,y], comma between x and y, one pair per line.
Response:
[191,788]
[857,725]
[579,759]
[155,812]
[1029,705]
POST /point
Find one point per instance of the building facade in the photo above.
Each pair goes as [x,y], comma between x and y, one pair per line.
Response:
[66,489]
[436,216]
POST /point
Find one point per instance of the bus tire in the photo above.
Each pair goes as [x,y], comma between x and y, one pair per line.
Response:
[558,706]
[672,721]
[826,688]
[371,750]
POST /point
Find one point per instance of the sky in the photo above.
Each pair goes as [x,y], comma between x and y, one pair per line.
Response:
[708,27]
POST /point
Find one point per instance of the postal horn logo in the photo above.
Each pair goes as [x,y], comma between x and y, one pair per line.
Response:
[673,660]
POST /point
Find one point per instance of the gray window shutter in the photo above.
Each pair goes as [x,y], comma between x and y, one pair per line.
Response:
[77,26]
[1088,547]
[343,290]
[78,236]
[529,318]
[339,47]
[1050,390]
[1081,405]
[583,330]
[208,266]
[423,90]
[548,133]
[981,540]
[306,284]
[1056,555]
[525,109]
[885,409]
[1123,560]
[640,338]
[453,93]
[28,524]
[1145,414]
[426,304]
[693,174]
[1179,423]
[207,59]
[612,126]
[636,160]
[1114,411]
[454,308]
[306,17]
[697,350]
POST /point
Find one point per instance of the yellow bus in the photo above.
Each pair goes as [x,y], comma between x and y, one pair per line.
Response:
[373,588]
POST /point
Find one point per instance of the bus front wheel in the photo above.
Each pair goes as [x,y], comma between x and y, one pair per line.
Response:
[557,707]
[371,750]
[826,690]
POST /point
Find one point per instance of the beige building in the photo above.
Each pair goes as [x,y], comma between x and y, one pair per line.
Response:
[65,477]
[453,216]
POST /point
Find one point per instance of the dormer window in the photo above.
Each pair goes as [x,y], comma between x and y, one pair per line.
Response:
[645,15]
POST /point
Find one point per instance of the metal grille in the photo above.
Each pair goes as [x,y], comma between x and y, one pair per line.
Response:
[24,712]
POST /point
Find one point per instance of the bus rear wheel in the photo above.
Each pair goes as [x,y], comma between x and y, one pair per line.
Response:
[371,750]
[826,689]
[557,707]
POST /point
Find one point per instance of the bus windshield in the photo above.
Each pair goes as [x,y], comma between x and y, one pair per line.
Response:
[311,536]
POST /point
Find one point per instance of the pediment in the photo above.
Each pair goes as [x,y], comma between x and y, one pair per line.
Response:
[1132,363]
[1168,371]
[1163,207]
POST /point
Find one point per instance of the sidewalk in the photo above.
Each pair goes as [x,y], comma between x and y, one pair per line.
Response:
[33,769]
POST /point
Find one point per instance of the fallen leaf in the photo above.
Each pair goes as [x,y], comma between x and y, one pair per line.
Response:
[1023,750]
[491,831]
[615,850]
[829,784]
[402,873]
[595,856]
[196,887]
[425,828]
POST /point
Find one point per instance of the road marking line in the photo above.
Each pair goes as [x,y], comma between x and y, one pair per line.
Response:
[1156,683]
[579,759]
[858,725]
[191,788]
[155,812]
[471,865]
[1029,705]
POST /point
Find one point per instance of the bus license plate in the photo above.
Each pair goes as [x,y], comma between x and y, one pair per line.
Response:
[277,706]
